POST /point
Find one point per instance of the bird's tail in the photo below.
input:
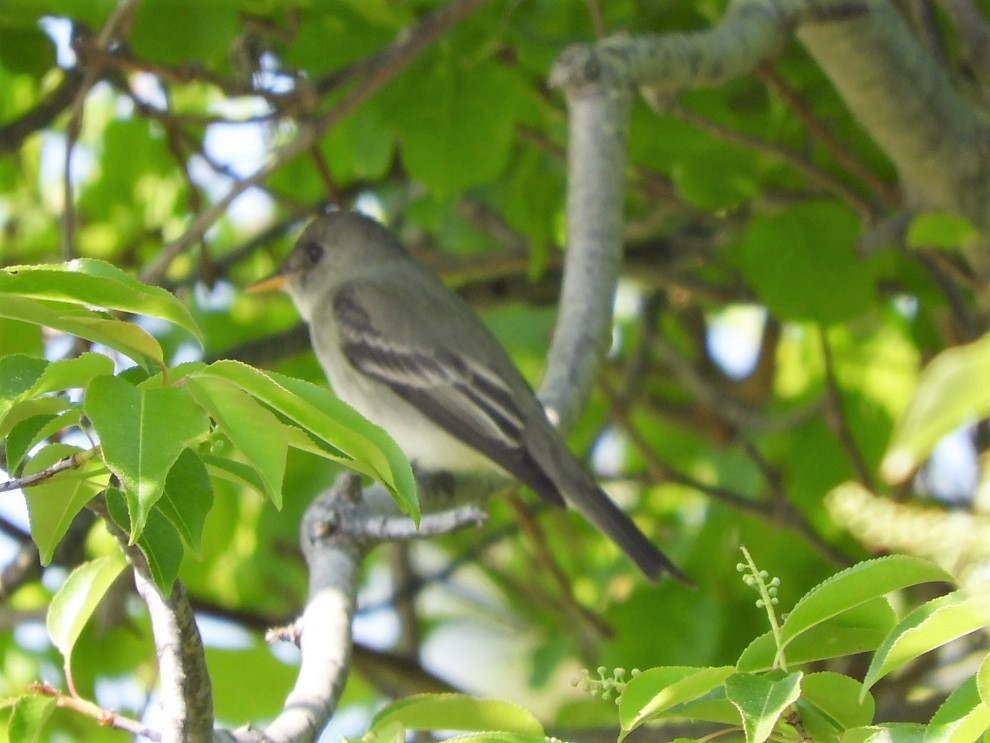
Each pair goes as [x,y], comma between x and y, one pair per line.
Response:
[579,489]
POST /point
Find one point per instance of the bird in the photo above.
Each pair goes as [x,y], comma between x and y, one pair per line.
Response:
[412,356]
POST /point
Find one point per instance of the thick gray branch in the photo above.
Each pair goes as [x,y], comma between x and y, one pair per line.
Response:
[339,527]
[907,104]
[598,104]
[186,693]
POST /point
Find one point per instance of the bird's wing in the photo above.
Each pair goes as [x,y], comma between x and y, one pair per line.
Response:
[465,397]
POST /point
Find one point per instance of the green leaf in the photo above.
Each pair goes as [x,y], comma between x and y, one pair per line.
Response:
[159,541]
[983,680]
[30,432]
[124,337]
[717,178]
[17,375]
[657,690]
[803,264]
[833,703]
[252,428]
[384,454]
[952,390]
[20,337]
[452,135]
[71,374]
[940,230]
[859,629]
[28,718]
[21,411]
[891,732]
[962,717]
[457,712]
[243,697]
[177,31]
[761,700]
[93,283]
[856,585]
[53,503]
[926,628]
[26,50]
[188,498]
[142,433]
[240,474]
[76,600]
[370,449]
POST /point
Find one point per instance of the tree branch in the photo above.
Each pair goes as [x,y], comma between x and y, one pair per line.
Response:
[886,78]
[384,66]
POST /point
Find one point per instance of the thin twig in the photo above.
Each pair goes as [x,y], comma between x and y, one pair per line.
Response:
[384,66]
[69,463]
[780,512]
[103,717]
[835,416]
[820,131]
[867,212]
[119,17]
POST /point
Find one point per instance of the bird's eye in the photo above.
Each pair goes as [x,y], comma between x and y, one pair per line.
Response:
[314,253]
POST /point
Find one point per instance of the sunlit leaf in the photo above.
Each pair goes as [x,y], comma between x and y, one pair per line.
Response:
[77,599]
[142,432]
[926,628]
[92,283]
[458,712]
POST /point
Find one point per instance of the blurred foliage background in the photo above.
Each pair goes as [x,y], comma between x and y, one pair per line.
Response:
[761,356]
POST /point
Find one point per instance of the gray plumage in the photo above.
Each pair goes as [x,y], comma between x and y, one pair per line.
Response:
[411,356]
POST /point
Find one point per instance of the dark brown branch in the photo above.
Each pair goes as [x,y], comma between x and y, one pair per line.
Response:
[835,416]
[821,132]
[42,115]
[867,212]
[384,66]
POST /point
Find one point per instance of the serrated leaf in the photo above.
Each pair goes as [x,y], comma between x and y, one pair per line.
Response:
[657,690]
[159,541]
[859,629]
[233,471]
[188,498]
[386,456]
[142,433]
[928,627]
[452,136]
[123,337]
[76,600]
[961,718]
[836,699]
[857,585]
[457,712]
[891,732]
[53,503]
[803,264]
[491,736]
[761,700]
[952,390]
[29,408]
[94,283]
[69,374]
[251,427]
[17,375]
[20,338]
[28,718]
[28,433]
[370,449]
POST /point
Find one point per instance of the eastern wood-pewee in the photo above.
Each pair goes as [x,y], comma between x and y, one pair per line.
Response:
[411,356]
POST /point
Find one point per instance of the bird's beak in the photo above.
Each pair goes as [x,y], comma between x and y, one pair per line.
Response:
[270,284]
